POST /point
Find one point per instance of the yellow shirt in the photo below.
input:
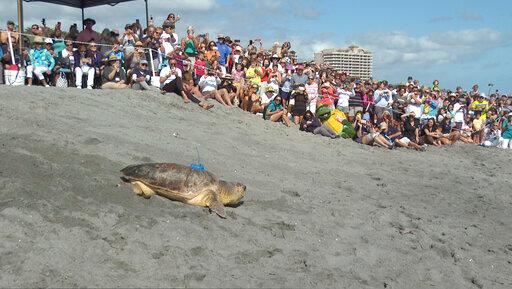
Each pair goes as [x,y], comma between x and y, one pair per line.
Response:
[482,106]
[477,124]
[252,76]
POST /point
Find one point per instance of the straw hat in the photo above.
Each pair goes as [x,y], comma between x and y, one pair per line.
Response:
[383,125]
[38,39]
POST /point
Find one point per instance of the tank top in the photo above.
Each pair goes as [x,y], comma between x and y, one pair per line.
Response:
[190,48]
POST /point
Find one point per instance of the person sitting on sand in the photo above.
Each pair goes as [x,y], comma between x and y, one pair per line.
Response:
[252,100]
[466,130]
[429,133]
[311,123]
[171,80]
[383,139]
[113,75]
[492,137]
[276,112]
[373,137]
[209,84]
[141,77]
[411,131]
[448,135]
[507,132]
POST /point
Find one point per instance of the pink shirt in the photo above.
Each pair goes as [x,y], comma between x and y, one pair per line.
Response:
[312,91]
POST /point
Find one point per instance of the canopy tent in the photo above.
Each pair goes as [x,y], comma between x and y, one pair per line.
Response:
[82,4]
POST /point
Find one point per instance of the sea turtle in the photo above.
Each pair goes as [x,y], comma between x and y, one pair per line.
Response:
[184,184]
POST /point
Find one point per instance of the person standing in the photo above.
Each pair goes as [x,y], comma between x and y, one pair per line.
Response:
[88,34]
[383,99]
[224,51]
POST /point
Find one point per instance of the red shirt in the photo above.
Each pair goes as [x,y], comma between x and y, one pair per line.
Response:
[200,67]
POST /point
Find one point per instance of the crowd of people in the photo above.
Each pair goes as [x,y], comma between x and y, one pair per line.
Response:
[270,82]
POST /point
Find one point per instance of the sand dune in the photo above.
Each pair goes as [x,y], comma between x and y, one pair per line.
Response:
[318,212]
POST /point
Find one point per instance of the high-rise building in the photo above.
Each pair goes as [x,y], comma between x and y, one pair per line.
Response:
[353,60]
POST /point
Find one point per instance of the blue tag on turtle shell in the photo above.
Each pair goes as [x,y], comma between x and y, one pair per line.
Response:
[197,167]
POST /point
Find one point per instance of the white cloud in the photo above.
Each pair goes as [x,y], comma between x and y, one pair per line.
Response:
[398,48]
[184,4]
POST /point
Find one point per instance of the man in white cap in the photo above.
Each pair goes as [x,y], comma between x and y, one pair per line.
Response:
[141,77]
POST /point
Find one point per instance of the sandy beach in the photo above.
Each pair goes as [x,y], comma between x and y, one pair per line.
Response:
[318,212]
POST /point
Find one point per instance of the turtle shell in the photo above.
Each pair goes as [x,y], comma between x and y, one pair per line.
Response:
[170,177]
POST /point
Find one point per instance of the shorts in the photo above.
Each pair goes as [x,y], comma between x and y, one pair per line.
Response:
[405,140]
[284,94]
[344,109]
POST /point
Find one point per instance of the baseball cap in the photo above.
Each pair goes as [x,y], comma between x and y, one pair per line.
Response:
[143,61]
[48,41]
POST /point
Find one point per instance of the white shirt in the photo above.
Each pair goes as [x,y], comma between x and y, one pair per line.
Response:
[344,96]
[383,94]
[458,112]
[208,83]
[166,70]
[167,47]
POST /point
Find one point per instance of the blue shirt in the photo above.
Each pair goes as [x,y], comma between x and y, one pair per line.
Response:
[273,106]
[224,51]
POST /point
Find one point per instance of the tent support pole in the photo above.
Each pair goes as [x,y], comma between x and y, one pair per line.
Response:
[83,18]
[147,14]
[20,24]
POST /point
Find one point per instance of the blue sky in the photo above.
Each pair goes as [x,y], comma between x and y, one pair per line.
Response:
[459,42]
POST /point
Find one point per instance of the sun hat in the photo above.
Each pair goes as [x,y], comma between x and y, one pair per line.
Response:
[38,39]
[89,20]
[383,125]
[113,58]
[220,36]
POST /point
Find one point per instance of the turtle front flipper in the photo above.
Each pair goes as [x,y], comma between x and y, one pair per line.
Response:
[217,207]
[208,198]
[142,190]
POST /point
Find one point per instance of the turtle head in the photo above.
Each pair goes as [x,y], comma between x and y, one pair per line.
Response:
[231,193]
